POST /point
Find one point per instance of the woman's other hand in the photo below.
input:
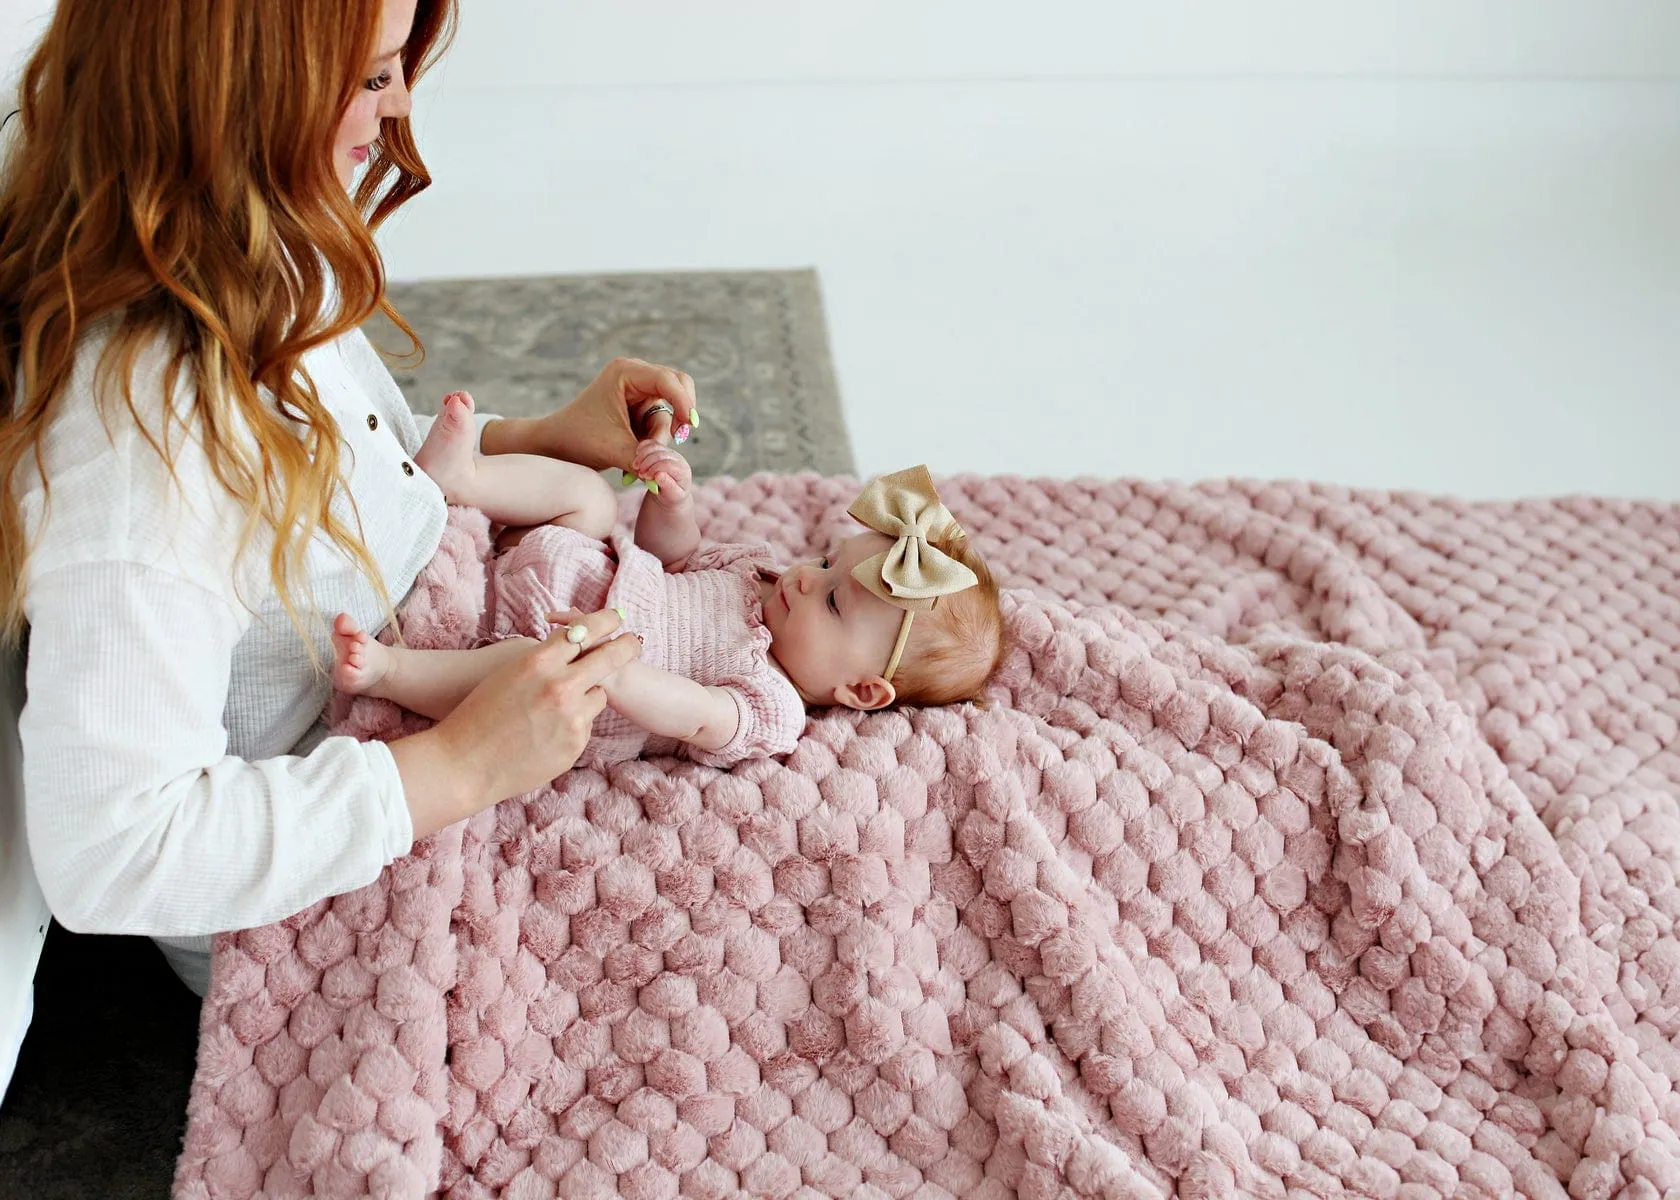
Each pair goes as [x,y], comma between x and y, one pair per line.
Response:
[602,427]
[524,725]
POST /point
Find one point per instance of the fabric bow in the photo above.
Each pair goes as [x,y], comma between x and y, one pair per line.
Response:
[913,574]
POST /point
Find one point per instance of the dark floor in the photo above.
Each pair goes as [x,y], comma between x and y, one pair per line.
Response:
[98,1103]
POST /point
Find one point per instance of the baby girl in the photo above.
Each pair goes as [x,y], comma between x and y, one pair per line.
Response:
[734,649]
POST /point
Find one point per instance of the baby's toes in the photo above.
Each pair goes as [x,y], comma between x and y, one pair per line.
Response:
[346,675]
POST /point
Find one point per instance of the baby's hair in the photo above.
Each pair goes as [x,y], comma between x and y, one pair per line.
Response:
[956,649]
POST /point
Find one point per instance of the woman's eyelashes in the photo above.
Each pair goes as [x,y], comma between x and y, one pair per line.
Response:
[379,82]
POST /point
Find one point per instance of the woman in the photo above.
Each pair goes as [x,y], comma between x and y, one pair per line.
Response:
[205,455]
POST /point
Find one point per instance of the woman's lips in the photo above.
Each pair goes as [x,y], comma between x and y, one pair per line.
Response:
[360,153]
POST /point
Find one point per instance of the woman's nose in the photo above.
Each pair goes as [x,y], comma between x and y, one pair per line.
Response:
[396,101]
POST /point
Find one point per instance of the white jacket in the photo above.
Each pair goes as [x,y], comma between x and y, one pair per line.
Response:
[172,781]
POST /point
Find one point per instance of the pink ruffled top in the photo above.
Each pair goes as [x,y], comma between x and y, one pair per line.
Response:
[705,622]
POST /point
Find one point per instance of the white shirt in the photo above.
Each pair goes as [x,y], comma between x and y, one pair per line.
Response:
[168,691]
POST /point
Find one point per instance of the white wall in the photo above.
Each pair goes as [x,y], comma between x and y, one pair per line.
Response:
[1428,245]
[21,24]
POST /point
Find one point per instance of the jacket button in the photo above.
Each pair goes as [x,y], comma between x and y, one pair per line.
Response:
[373,421]
[408,469]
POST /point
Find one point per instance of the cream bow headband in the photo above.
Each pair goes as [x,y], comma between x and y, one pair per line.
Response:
[913,575]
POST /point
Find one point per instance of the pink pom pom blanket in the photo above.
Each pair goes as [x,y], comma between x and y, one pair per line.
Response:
[1318,843]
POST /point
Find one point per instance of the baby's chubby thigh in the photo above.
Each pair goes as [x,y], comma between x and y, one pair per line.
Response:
[563,494]
[591,503]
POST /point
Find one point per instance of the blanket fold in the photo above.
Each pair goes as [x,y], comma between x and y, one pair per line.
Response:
[1314,842]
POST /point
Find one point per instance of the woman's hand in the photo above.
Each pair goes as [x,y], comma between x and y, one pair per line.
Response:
[525,724]
[602,426]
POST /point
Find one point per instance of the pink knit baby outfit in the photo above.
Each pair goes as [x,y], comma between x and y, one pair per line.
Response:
[705,623]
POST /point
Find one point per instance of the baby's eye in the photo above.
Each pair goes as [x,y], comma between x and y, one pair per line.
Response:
[379,82]
[833,605]
[825,563]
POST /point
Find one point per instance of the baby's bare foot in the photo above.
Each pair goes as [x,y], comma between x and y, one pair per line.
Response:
[360,663]
[447,453]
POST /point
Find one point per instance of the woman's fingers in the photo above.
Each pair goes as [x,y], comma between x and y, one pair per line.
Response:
[600,428]
[597,627]
[594,666]
[650,383]
[658,426]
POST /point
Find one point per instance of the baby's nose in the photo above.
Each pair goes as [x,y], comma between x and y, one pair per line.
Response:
[804,580]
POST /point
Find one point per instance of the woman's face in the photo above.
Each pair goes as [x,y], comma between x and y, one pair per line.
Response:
[384,92]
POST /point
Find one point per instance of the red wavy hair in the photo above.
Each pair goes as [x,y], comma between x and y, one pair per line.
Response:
[171,169]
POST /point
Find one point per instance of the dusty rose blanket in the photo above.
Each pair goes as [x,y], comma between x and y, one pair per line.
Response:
[1319,843]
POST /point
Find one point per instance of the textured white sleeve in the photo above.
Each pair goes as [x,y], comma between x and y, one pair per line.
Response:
[138,819]
[375,379]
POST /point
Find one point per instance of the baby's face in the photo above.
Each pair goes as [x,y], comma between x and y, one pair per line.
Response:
[831,634]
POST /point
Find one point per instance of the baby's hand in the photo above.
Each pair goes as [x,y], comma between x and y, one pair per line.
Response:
[666,471]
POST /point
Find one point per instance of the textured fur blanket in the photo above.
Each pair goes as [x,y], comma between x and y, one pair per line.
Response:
[1318,843]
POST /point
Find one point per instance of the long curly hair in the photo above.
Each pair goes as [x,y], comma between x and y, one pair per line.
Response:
[171,170]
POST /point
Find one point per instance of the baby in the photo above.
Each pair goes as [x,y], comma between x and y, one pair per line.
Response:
[734,649]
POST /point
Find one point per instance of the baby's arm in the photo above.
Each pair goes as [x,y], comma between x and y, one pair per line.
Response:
[671,706]
[666,526]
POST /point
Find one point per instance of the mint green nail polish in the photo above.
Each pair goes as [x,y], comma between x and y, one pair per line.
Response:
[623,613]
[652,487]
[627,478]
[694,417]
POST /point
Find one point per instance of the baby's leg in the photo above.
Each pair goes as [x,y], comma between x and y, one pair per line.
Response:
[429,682]
[513,489]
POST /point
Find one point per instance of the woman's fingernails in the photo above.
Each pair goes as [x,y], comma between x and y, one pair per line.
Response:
[694,417]
[627,478]
[623,613]
[682,434]
[652,486]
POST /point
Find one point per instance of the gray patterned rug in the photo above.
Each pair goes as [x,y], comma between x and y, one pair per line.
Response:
[754,341]
[96,1109]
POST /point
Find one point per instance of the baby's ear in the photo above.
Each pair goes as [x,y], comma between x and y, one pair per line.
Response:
[867,694]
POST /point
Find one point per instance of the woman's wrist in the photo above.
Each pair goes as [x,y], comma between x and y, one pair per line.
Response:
[517,435]
[440,785]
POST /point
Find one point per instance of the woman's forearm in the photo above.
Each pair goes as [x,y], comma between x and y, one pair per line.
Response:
[440,786]
[518,435]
